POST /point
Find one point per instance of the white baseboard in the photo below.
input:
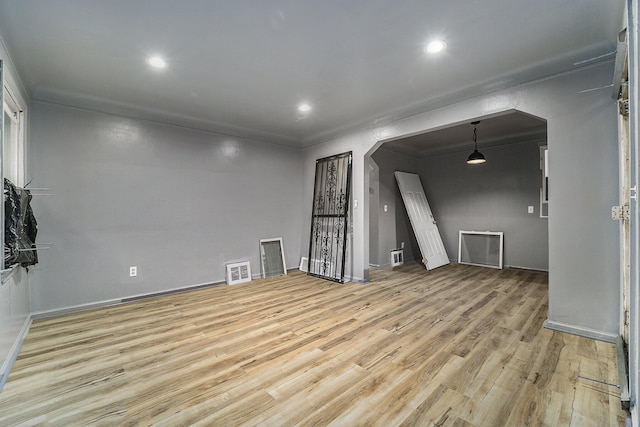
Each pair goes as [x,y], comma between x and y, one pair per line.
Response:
[46,314]
[517,267]
[382,265]
[581,331]
[117,301]
[13,353]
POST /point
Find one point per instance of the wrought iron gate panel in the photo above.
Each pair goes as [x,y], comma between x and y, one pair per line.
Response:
[329,217]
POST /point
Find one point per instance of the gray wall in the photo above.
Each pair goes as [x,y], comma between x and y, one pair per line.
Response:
[393,225]
[177,203]
[493,196]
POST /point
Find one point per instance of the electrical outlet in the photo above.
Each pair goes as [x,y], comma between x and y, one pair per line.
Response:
[133,271]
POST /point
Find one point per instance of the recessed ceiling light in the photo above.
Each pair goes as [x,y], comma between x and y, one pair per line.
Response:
[157,62]
[304,107]
[435,46]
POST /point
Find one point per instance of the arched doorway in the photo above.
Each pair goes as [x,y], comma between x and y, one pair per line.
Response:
[505,194]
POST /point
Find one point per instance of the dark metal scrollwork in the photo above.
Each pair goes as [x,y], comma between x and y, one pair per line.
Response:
[327,246]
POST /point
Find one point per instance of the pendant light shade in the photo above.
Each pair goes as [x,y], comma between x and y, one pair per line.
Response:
[476,157]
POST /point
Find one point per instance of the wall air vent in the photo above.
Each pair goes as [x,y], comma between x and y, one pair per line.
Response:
[397,257]
[238,272]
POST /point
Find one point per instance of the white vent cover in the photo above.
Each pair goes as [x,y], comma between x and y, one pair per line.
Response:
[238,272]
[304,264]
[397,257]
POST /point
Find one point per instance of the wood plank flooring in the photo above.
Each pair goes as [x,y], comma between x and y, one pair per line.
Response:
[455,346]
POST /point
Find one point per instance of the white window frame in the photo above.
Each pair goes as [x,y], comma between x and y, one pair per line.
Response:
[15,108]
[263,254]
[12,108]
[498,234]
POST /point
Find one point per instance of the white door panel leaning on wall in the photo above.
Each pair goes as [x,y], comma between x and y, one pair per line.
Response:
[422,221]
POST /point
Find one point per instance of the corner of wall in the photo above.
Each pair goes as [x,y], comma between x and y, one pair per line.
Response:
[581,331]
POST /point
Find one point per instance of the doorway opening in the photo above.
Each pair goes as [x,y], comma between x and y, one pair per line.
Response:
[506,194]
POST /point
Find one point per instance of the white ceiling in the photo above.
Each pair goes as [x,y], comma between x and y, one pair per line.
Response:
[242,66]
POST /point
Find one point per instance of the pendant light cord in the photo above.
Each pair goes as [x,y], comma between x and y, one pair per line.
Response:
[475,137]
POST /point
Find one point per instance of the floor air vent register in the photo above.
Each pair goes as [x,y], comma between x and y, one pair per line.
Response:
[238,272]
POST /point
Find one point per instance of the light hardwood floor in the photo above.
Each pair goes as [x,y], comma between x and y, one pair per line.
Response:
[458,346]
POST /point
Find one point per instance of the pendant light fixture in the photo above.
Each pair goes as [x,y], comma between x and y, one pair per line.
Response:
[476,157]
